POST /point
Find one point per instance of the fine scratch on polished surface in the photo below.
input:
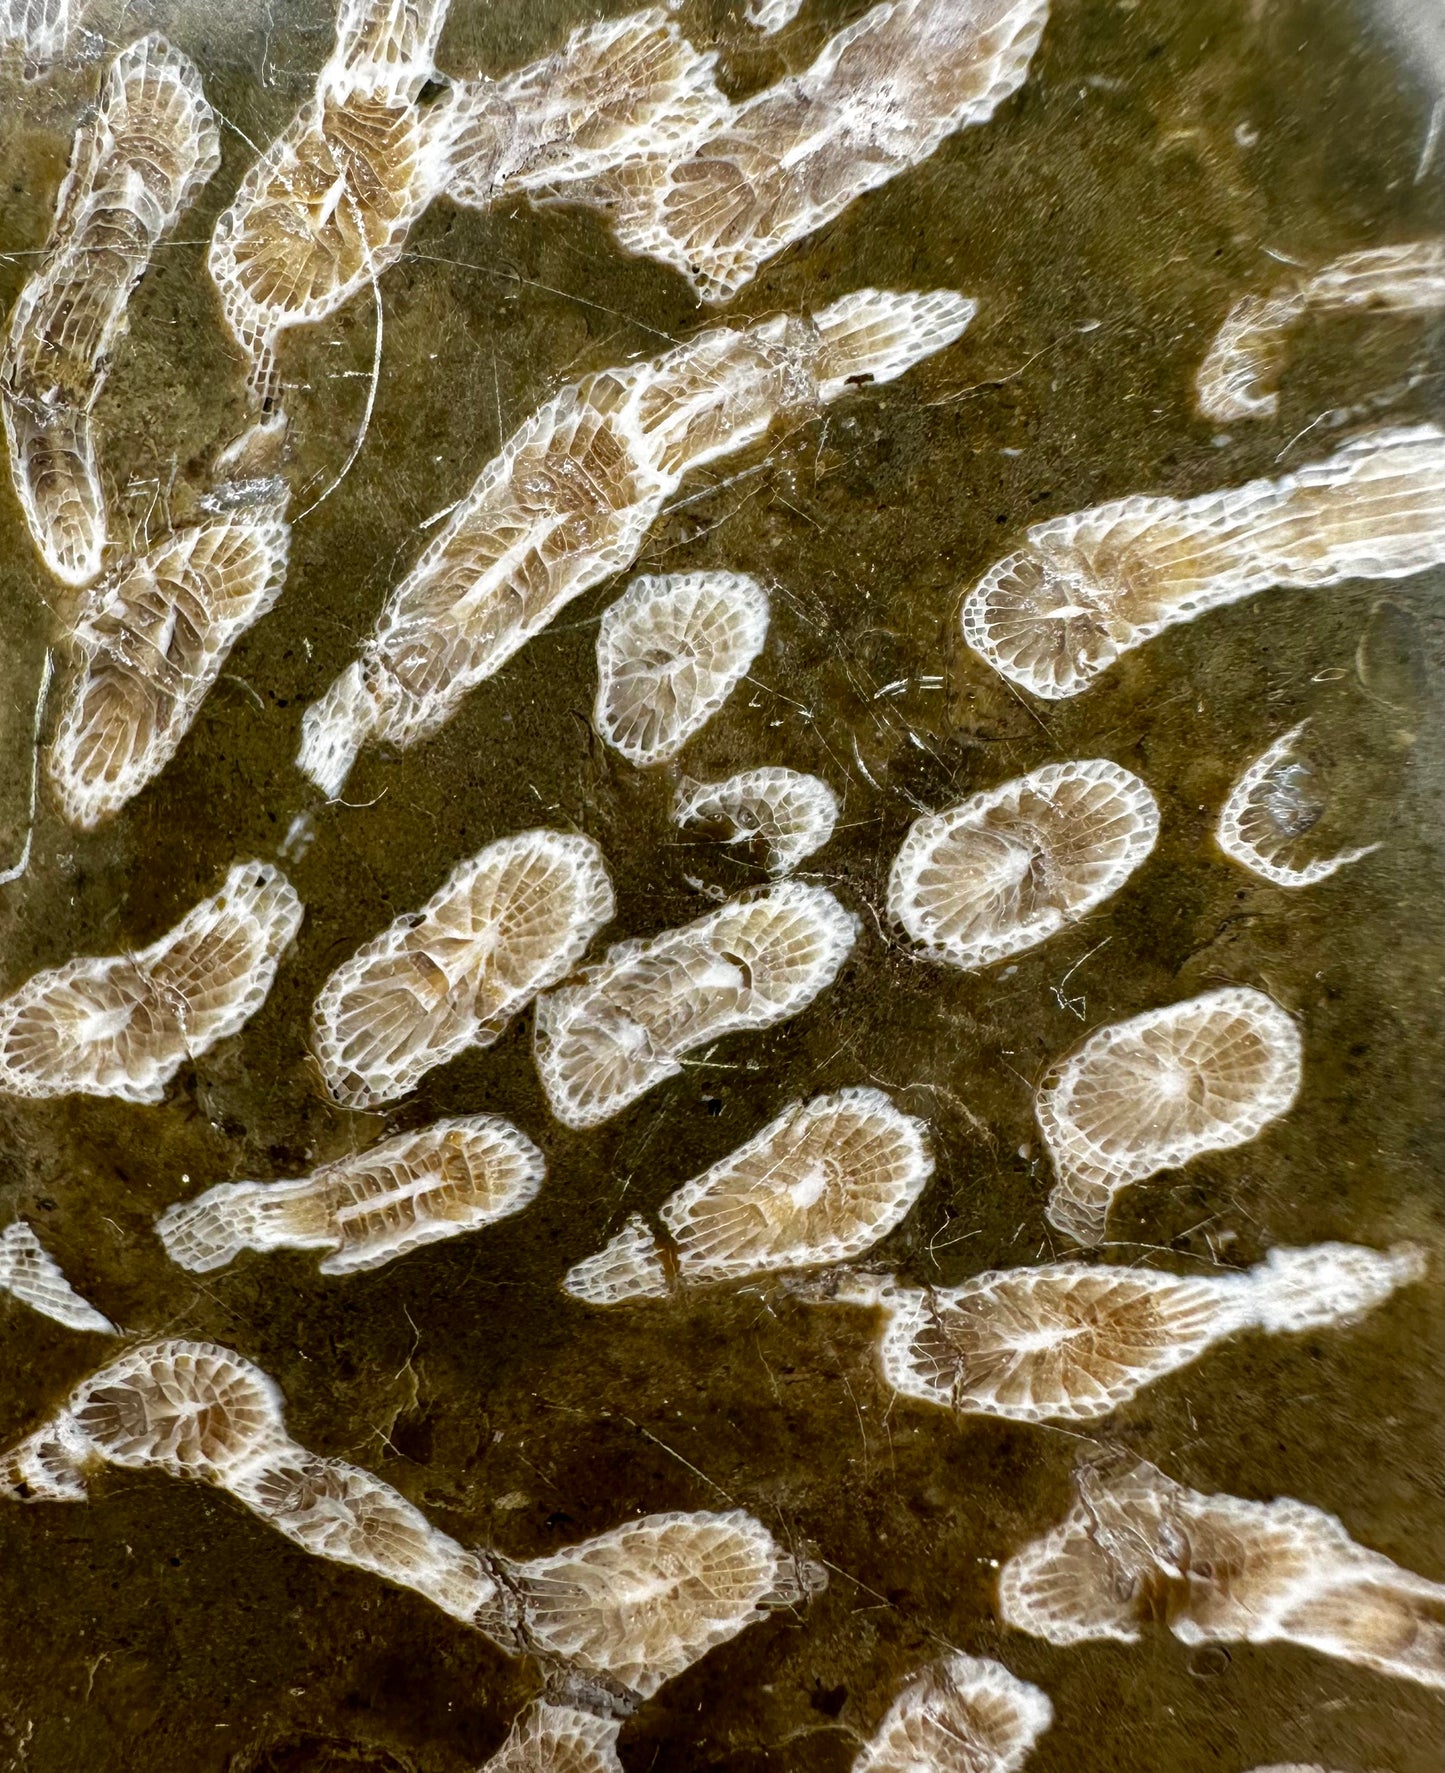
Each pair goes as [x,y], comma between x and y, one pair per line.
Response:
[1137,1548]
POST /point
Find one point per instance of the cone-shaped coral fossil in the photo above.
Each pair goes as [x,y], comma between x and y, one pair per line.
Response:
[1005,870]
[558,1739]
[136,164]
[670,653]
[1153,1092]
[881,96]
[636,1605]
[29,1272]
[123,1026]
[149,639]
[628,1021]
[778,816]
[1136,1548]
[574,491]
[825,1181]
[962,1714]
[505,925]
[1066,1342]
[1087,588]
[1266,822]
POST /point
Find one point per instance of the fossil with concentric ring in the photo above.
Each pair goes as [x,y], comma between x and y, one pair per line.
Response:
[505,925]
[149,639]
[136,164]
[1087,588]
[1006,869]
[449,1178]
[330,203]
[670,652]
[1068,1342]
[1137,1548]
[124,1025]
[822,1183]
[29,1273]
[1239,377]
[779,815]
[961,1714]
[627,1022]
[635,1606]
[1153,1092]
[1270,812]
[574,491]
[881,96]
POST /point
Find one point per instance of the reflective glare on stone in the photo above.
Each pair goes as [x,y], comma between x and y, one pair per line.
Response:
[506,924]
[961,1714]
[135,165]
[1239,376]
[1066,1342]
[627,1022]
[669,654]
[822,1183]
[570,498]
[124,1025]
[1087,588]
[29,1272]
[1159,1089]
[1138,1548]
[1275,803]
[781,814]
[447,1179]
[1006,869]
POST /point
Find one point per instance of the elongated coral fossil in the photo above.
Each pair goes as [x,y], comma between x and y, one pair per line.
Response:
[124,1025]
[1088,588]
[573,493]
[1136,1547]
[134,167]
